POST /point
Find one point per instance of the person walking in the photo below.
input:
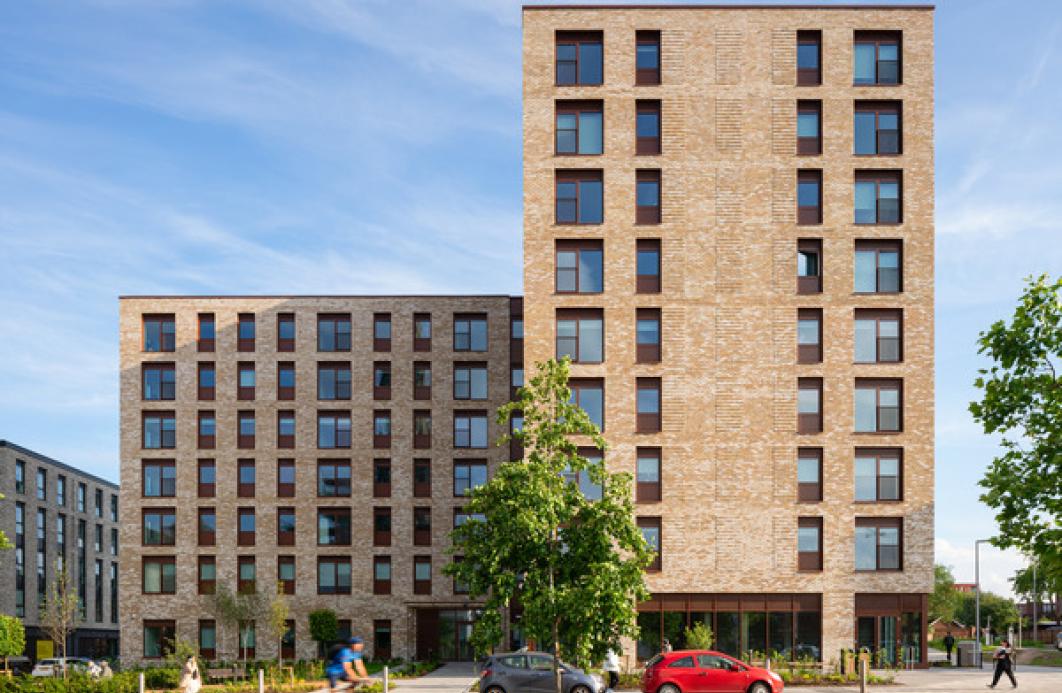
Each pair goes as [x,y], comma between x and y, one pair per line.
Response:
[1002,658]
[949,643]
[347,664]
[190,681]
[666,648]
[612,667]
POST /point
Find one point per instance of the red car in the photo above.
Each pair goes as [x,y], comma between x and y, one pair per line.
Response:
[705,671]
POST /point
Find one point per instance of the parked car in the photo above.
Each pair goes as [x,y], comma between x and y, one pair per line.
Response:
[54,666]
[705,671]
[532,672]
[19,665]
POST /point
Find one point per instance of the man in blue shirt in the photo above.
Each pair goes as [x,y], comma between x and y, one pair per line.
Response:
[347,664]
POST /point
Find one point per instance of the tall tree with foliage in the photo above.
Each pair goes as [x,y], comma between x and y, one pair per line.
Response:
[1001,612]
[1048,585]
[238,610]
[1022,403]
[945,598]
[574,565]
[324,628]
[60,610]
[12,638]
[279,612]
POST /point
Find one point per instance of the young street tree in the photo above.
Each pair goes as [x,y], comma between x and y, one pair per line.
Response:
[60,610]
[945,598]
[238,610]
[278,621]
[1022,403]
[573,564]
[12,638]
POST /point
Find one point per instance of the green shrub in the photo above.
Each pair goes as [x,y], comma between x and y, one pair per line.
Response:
[699,637]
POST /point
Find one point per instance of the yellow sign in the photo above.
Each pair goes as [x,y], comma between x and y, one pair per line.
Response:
[45,649]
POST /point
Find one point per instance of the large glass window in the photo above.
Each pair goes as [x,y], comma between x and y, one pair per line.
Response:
[648,266]
[877,57]
[579,58]
[333,527]
[877,475]
[809,128]
[333,575]
[580,267]
[877,197]
[878,406]
[160,430]
[470,381]
[580,335]
[333,332]
[470,333]
[877,127]
[580,197]
[468,475]
[160,381]
[160,333]
[333,430]
[877,267]
[808,58]
[470,430]
[333,381]
[877,336]
[647,128]
[333,478]
[878,543]
[589,395]
[159,478]
[579,127]
[647,57]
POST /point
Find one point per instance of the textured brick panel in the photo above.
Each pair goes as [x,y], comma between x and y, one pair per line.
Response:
[729,54]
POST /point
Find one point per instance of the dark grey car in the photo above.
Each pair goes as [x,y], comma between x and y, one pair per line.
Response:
[532,672]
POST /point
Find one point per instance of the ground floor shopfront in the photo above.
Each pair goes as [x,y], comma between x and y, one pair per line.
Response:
[93,643]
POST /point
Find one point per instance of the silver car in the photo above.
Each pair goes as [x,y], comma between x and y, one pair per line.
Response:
[532,672]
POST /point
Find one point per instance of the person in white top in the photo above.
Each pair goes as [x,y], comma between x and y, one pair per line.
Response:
[612,667]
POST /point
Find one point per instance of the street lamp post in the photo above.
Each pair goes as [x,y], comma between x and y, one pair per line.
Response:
[1036,602]
[977,595]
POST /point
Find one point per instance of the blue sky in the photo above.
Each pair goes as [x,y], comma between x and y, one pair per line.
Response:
[366,146]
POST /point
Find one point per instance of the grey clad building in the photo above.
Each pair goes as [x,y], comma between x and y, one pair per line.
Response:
[57,515]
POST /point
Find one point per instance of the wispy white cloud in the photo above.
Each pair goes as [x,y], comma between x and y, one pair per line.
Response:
[997,566]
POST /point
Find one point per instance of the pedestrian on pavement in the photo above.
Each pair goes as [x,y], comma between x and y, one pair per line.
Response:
[1002,658]
[346,664]
[190,681]
[612,667]
[949,643]
[666,648]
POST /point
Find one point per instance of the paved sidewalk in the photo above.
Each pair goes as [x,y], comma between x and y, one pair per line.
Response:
[938,680]
[455,677]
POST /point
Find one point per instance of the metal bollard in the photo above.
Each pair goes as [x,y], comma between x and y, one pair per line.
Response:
[862,675]
[140,682]
[387,676]
[261,681]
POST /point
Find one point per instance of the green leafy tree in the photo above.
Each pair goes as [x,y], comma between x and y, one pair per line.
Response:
[1022,403]
[239,611]
[699,637]
[12,637]
[999,611]
[1048,584]
[324,628]
[945,598]
[60,610]
[574,565]
[279,612]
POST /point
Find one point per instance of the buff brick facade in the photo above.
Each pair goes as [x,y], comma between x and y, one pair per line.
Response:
[728,302]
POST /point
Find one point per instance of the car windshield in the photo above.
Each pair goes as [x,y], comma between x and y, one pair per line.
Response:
[654,661]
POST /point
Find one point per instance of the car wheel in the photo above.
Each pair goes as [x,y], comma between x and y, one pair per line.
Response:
[759,687]
[579,689]
[668,688]
[494,689]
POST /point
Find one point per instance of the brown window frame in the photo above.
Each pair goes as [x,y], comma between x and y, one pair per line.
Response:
[380,586]
[335,561]
[647,76]
[288,646]
[286,538]
[206,490]
[879,315]
[879,385]
[421,487]
[243,537]
[381,380]
[422,586]
[810,561]
[578,315]
[286,586]
[167,341]
[809,215]
[160,368]
[878,177]
[421,343]
[205,344]
[246,586]
[649,283]
[381,537]
[243,441]
[342,485]
[285,343]
[341,325]
[205,586]
[809,492]
[285,489]
[160,464]
[877,38]
[879,454]
[880,108]
[577,109]
[422,526]
[206,393]
[245,343]
[285,392]
[382,440]
[810,424]
[421,440]
[203,537]
[649,491]
[654,522]
[809,77]
[164,539]
[577,38]
[648,353]
[164,626]
[336,368]
[380,488]
[337,513]
[811,284]
[577,176]
[161,561]
[809,146]
[382,343]
[649,422]
[286,441]
[463,376]
[880,523]
[810,353]
[648,214]
[162,416]
[245,393]
[469,415]
[243,489]
[577,385]
[379,650]
[336,415]
[578,247]
[421,392]
[878,247]
[469,462]
[645,145]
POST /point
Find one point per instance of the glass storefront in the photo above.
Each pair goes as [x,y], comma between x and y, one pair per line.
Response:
[890,627]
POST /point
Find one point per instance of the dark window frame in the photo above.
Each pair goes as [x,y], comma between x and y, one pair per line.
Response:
[578,177]
[649,283]
[879,108]
[810,561]
[879,523]
[809,423]
[810,353]
[422,391]
[878,247]
[161,561]
[166,385]
[330,470]
[880,177]
[648,214]
[206,489]
[421,586]
[654,522]
[381,380]
[878,39]
[880,385]
[205,586]
[421,485]
[245,537]
[645,145]
[809,215]
[649,422]
[879,454]
[342,335]
[286,489]
[381,535]
[382,440]
[578,247]
[647,491]
[381,481]
[648,352]
[286,537]
[161,465]
[422,525]
[286,586]
[378,321]
[206,393]
[878,316]
[243,440]
[342,439]
[285,343]
[165,324]
[808,145]
[421,438]
[578,315]
[578,385]
[421,343]
[340,375]
[285,392]
[577,109]
[577,39]
[286,441]
[205,344]
[167,535]
[245,343]
[335,562]
[380,585]
[812,283]
[245,392]
[646,76]
[206,537]
[810,492]
[342,526]
[809,77]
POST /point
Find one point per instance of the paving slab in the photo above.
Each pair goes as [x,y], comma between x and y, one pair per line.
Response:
[939,680]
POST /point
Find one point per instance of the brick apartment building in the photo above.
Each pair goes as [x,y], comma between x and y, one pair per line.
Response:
[58,516]
[319,444]
[741,199]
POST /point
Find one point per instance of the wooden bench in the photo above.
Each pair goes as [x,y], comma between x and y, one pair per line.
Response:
[224,674]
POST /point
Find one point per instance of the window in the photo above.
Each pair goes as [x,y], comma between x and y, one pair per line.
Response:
[159,575]
[97,544]
[381,380]
[650,529]
[469,474]
[381,639]
[246,632]
[422,332]
[245,527]
[580,267]
[286,478]
[285,332]
[878,197]
[20,476]
[245,332]
[809,474]
[159,381]
[421,526]
[809,405]
[206,478]
[60,490]
[648,335]
[285,429]
[381,478]
[333,430]
[159,637]
[516,378]
[206,381]
[877,127]
[579,58]
[42,484]
[159,526]
[470,332]
[878,406]
[579,127]
[160,333]
[333,527]
[245,424]
[82,493]
[470,381]
[516,327]
[809,266]
[877,57]
[159,478]
[246,575]
[421,380]
[580,197]
[381,332]
[333,575]
[245,478]
[878,267]
[580,335]
[208,639]
[114,540]
[809,335]
[205,340]
[589,395]
[286,574]
[809,49]
[878,543]
[381,526]
[333,478]
[208,527]
[648,488]
[878,474]
[246,381]
[114,508]
[422,575]
[647,57]
[647,196]
[421,478]
[333,332]
[809,543]
[207,573]
[98,506]
[421,429]
[285,380]
[160,430]
[648,405]
[381,428]
[333,381]
[809,128]
[381,575]
[470,429]
[877,336]
[809,197]
[647,128]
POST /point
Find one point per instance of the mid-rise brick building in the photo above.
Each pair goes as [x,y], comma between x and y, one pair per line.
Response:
[728,224]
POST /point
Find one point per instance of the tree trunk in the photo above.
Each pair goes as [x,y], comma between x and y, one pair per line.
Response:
[556,658]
